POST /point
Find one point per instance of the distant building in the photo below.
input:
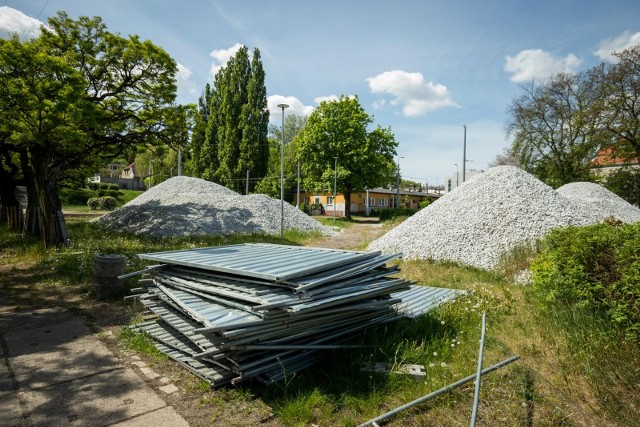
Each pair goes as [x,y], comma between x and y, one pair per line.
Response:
[127,179]
[365,201]
[607,162]
[456,181]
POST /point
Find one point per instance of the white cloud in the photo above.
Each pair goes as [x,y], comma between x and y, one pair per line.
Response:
[183,76]
[416,96]
[536,64]
[184,72]
[14,21]
[616,44]
[221,57]
[295,106]
[329,98]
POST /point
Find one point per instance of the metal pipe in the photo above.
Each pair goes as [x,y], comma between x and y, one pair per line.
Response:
[476,395]
[298,189]
[283,106]
[437,393]
[335,180]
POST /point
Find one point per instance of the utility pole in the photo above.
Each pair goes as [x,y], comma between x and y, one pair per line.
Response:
[283,106]
[464,155]
[298,190]
[335,181]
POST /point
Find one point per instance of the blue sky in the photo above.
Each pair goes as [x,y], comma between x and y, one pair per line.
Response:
[424,68]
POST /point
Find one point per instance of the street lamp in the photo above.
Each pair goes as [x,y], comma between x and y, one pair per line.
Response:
[335,181]
[464,155]
[457,175]
[283,106]
[398,183]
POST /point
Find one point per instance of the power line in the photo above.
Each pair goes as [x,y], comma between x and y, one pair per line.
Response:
[37,19]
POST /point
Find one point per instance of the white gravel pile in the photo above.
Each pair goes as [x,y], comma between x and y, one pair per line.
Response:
[601,201]
[184,206]
[488,215]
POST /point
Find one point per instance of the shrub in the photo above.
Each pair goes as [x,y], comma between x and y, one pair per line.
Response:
[594,267]
[113,187]
[75,196]
[93,185]
[424,203]
[107,203]
[386,214]
[93,203]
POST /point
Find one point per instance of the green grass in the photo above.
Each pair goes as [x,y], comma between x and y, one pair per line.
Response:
[575,369]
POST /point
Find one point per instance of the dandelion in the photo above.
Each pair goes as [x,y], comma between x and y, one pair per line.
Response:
[443,364]
[442,322]
[453,345]
[435,353]
[431,365]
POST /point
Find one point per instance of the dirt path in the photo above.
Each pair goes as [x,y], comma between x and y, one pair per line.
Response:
[357,236]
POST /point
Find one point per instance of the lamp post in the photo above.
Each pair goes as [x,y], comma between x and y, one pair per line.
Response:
[398,183]
[457,175]
[335,181]
[464,155]
[283,106]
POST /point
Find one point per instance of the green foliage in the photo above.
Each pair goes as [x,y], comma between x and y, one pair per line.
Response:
[593,267]
[75,196]
[338,129]
[387,214]
[76,95]
[231,125]
[107,203]
[424,203]
[625,183]
[93,203]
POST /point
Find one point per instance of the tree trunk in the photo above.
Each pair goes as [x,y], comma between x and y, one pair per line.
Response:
[44,210]
[10,210]
[347,204]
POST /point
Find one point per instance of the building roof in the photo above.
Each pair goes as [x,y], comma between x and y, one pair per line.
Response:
[607,157]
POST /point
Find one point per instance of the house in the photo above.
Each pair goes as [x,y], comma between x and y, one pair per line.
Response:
[363,202]
[127,179]
[607,162]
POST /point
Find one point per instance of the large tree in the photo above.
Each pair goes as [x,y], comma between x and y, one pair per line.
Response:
[293,125]
[555,128]
[237,123]
[340,129]
[619,107]
[76,95]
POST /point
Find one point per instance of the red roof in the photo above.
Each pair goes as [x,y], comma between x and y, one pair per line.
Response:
[607,157]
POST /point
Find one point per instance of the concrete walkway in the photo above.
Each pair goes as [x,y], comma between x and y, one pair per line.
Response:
[54,371]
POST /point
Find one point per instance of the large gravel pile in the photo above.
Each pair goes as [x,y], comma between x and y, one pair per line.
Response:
[486,216]
[184,206]
[601,201]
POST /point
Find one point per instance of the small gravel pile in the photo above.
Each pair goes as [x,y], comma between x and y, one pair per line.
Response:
[601,201]
[490,214]
[183,206]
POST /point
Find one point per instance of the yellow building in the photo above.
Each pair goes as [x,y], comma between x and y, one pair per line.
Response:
[364,201]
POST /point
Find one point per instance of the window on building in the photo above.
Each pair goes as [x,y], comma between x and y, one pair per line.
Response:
[317,199]
[329,200]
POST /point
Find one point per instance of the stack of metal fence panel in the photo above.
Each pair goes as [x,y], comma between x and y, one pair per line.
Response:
[264,311]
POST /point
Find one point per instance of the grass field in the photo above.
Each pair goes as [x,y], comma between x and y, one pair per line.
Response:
[573,369]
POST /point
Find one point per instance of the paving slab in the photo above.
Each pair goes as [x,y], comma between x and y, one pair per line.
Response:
[6,385]
[10,413]
[166,416]
[51,354]
[101,399]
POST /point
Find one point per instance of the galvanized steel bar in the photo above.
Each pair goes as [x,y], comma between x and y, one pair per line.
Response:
[437,393]
[476,394]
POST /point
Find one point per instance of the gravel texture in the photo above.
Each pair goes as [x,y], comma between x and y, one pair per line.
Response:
[183,206]
[601,201]
[490,214]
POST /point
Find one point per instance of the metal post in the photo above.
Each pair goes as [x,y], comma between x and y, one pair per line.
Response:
[298,190]
[180,161]
[150,172]
[335,181]
[246,190]
[464,155]
[283,106]
[368,206]
[398,183]
[437,393]
[476,395]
